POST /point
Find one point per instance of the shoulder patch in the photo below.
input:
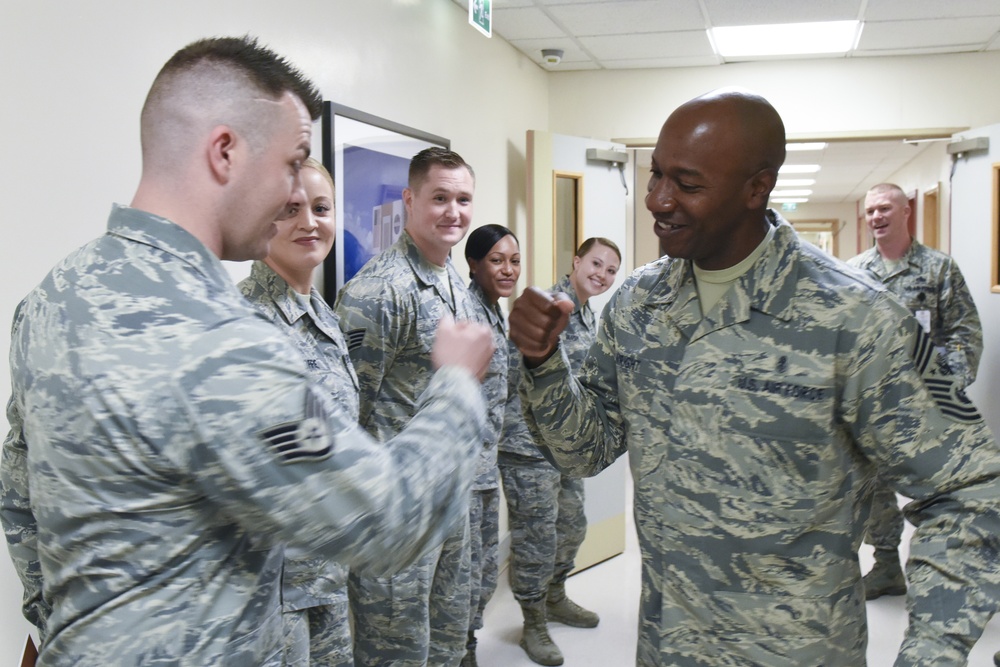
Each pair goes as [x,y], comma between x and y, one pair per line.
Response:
[354,338]
[308,439]
[941,383]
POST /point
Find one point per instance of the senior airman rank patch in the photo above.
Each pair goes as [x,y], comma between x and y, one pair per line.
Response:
[308,439]
[940,381]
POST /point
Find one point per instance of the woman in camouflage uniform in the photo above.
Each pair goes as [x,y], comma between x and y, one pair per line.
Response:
[494,259]
[314,590]
[545,508]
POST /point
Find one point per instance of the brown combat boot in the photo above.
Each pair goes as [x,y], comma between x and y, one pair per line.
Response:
[561,609]
[886,577]
[535,640]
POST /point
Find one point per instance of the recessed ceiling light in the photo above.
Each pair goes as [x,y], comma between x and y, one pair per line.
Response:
[794,182]
[798,169]
[806,146]
[785,39]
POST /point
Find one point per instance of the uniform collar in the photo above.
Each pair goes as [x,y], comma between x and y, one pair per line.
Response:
[493,311]
[424,270]
[768,287]
[280,292]
[566,286]
[158,232]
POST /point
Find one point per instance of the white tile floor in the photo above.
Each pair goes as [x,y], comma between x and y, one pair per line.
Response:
[612,590]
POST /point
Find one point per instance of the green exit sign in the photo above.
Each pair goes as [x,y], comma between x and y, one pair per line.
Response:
[481,16]
[789,206]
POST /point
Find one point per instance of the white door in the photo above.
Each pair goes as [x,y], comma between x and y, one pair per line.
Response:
[974,245]
[555,160]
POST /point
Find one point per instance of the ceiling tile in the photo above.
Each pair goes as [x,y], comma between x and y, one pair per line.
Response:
[762,12]
[882,35]
[524,23]
[649,45]
[882,10]
[629,17]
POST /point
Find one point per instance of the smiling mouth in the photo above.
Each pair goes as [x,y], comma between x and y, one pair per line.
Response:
[668,226]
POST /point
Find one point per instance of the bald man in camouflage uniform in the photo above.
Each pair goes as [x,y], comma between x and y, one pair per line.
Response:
[389,310]
[930,284]
[165,439]
[755,417]
[315,588]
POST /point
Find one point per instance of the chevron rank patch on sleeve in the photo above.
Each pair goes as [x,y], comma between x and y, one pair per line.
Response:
[307,439]
[354,338]
[941,382]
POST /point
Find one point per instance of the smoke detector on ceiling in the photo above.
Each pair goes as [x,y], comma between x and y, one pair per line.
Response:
[552,56]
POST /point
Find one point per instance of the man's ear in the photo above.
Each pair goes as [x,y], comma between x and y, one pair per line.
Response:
[761,184]
[220,147]
[408,202]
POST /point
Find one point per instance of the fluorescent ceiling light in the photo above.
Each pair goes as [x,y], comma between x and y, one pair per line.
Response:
[792,193]
[789,200]
[794,182]
[806,146]
[785,39]
[798,169]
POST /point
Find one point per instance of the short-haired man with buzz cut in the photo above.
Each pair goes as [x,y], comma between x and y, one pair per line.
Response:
[166,440]
[930,284]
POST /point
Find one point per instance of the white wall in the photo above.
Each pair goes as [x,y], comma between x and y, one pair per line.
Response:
[75,76]
[843,213]
[932,168]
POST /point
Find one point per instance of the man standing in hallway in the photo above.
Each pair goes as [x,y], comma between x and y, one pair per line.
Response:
[420,615]
[930,284]
[757,384]
[166,440]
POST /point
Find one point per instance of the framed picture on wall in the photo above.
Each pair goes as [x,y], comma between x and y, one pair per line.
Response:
[369,158]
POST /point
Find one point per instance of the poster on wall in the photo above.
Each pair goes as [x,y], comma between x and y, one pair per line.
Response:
[369,158]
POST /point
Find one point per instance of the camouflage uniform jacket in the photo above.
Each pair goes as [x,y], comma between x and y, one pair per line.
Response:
[929,280]
[576,339]
[307,581]
[164,438]
[581,331]
[752,434]
[389,312]
[494,384]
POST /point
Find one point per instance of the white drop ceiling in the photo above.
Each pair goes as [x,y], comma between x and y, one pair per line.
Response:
[639,34]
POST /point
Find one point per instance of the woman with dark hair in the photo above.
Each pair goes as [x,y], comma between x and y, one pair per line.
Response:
[545,508]
[494,260]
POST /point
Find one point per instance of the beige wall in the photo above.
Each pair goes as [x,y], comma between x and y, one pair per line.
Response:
[812,96]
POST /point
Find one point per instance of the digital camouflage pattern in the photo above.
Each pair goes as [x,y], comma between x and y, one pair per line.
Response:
[171,440]
[545,509]
[484,512]
[494,386]
[390,312]
[929,280]
[484,522]
[931,285]
[753,433]
[308,581]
